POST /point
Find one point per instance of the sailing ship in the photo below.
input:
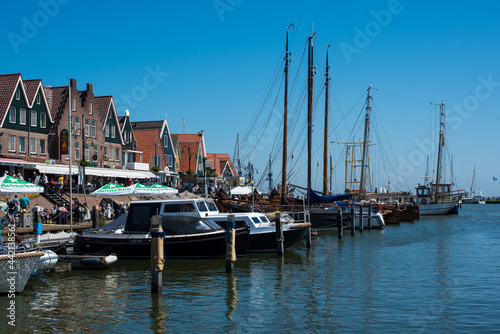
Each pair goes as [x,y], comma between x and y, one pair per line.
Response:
[438,198]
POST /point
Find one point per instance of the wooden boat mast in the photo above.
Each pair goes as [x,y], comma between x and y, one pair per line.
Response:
[325,139]
[364,156]
[310,78]
[441,144]
[285,123]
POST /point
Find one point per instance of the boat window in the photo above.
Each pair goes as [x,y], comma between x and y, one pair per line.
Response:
[212,207]
[265,220]
[256,220]
[182,207]
[202,207]
[139,217]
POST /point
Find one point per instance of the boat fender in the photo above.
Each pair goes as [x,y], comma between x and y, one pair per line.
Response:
[423,201]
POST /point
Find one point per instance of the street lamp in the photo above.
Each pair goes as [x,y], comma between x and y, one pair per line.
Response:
[84,182]
[190,171]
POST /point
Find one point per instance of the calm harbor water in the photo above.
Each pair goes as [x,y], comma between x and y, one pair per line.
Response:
[439,274]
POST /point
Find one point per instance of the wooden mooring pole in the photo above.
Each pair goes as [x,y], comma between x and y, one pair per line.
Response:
[157,259]
[361,216]
[230,244]
[370,210]
[279,235]
[95,217]
[307,219]
[340,227]
[353,218]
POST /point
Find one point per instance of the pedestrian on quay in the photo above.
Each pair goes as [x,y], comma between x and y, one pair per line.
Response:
[25,202]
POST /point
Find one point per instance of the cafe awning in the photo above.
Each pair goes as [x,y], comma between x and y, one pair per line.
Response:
[95,171]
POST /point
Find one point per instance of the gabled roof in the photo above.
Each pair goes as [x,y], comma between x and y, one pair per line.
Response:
[185,138]
[146,140]
[147,125]
[8,84]
[56,97]
[219,161]
[31,87]
[103,103]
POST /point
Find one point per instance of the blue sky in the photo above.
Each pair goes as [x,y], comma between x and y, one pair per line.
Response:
[209,63]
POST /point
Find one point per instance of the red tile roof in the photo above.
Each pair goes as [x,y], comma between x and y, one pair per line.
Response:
[8,84]
[185,138]
[31,87]
[56,99]
[218,161]
[103,103]
[146,140]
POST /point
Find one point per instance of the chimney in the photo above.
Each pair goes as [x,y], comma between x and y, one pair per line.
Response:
[72,82]
[89,88]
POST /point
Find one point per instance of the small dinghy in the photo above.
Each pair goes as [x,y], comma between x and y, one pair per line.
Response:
[90,261]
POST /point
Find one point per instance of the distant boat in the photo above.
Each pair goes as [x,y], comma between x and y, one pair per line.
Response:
[473,198]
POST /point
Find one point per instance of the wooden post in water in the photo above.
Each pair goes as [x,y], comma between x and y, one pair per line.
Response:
[95,216]
[279,235]
[361,215]
[370,210]
[340,227]
[308,228]
[157,259]
[353,218]
[230,244]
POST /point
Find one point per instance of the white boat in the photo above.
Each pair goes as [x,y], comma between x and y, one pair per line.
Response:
[438,198]
[262,231]
[89,261]
[16,269]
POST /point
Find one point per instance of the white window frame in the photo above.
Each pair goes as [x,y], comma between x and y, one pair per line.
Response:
[113,131]
[33,118]
[157,161]
[165,141]
[38,98]
[12,115]
[12,143]
[170,160]
[111,154]
[33,146]
[106,130]
[43,120]
[117,154]
[93,131]
[77,123]
[71,125]
[73,107]
[91,107]
[22,144]
[77,151]
[22,116]
[43,147]
[86,153]
[87,127]
[18,94]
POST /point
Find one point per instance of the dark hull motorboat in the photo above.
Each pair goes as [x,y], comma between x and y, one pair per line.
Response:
[266,242]
[132,246]
[185,236]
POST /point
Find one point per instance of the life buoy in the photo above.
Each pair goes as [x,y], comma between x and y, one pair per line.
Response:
[423,201]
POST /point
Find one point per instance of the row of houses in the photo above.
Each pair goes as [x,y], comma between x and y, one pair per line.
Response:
[47,127]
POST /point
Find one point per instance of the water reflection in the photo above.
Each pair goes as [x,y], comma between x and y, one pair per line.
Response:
[231,296]
[157,314]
